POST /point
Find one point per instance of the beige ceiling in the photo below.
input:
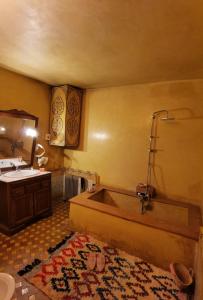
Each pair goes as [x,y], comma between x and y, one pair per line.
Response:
[96,43]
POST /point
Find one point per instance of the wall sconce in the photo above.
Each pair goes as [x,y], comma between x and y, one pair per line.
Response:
[41,159]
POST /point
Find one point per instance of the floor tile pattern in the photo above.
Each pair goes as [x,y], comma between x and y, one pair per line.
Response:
[32,242]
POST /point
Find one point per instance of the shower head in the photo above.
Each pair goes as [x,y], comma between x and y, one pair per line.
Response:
[167,119]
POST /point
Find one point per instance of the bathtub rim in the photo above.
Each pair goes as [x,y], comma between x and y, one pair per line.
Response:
[191,231]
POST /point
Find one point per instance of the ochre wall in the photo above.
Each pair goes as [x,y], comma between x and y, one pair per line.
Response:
[116,133]
[19,92]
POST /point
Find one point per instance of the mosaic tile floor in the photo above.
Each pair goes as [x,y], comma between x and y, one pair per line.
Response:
[32,242]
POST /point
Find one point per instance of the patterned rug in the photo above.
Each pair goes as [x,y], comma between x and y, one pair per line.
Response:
[65,275]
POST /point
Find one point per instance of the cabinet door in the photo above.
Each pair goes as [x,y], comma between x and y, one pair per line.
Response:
[21,209]
[73,117]
[57,116]
[42,201]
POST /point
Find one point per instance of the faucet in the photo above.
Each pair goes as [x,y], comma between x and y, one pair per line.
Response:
[15,166]
[143,200]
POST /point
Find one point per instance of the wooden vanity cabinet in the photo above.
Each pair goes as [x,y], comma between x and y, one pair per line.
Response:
[23,202]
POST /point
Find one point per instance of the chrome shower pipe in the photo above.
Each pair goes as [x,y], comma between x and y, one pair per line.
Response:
[152,149]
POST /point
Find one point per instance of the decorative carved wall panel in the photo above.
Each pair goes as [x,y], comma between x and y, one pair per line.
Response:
[66,106]
[73,116]
[58,115]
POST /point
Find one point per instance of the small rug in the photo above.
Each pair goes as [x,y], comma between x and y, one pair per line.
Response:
[65,275]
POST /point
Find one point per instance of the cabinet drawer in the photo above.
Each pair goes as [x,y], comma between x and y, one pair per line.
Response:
[18,191]
[32,187]
[45,183]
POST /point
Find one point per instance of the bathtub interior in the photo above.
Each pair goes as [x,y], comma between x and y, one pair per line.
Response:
[164,212]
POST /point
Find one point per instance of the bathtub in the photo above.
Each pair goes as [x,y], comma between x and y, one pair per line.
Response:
[168,232]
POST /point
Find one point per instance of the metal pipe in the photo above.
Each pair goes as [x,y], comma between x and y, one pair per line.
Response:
[167,118]
[152,149]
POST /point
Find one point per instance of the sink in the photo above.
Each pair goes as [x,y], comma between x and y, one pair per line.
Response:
[21,173]
[7,286]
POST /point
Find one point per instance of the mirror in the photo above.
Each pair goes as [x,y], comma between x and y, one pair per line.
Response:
[17,138]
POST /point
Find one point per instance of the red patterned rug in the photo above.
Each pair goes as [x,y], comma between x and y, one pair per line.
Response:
[65,275]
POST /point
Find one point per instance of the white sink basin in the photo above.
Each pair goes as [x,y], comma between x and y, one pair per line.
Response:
[21,173]
[7,286]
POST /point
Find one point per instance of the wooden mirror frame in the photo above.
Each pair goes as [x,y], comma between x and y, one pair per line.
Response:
[22,115]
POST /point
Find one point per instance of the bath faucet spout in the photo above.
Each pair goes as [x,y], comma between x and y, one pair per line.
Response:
[143,201]
[142,206]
